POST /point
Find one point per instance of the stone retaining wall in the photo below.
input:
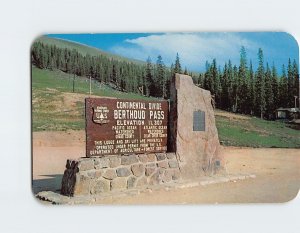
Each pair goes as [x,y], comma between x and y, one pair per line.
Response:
[99,175]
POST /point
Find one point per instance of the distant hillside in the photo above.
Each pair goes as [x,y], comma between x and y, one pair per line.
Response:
[58,99]
[83,49]
[55,107]
[84,61]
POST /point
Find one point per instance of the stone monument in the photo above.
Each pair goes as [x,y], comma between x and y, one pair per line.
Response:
[193,134]
[134,144]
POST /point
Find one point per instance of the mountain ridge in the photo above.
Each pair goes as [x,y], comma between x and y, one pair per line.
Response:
[84,49]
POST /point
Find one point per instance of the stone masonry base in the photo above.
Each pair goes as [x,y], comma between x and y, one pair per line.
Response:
[96,175]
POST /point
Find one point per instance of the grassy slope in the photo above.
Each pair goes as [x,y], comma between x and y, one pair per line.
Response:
[254,132]
[55,107]
[83,49]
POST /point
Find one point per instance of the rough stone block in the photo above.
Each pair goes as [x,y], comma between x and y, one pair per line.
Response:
[151,157]
[142,182]
[143,158]
[131,182]
[155,179]
[91,173]
[128,160]
[82,176]
[101,162]
[163,164]
[110,174]
[85,164]
[151,165]
[100,186]
[98,173]
[138,169]
[176,175]
[114,162]
[160,156]
[169,173]
[123,172]
[82,186]
[171,155]
[173,164]
[167,177]
[161,171]
[118,183]
[150,170]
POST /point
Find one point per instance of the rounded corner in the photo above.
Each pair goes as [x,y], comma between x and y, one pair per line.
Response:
[290,35]
[39,36]
[293,198]
[34,196]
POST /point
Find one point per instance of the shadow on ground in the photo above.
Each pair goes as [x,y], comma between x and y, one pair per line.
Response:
[49,183]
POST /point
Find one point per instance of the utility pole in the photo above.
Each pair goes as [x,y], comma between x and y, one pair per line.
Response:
[90,84]
[73,83]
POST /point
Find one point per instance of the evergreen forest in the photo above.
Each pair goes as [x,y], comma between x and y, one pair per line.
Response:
[238,89]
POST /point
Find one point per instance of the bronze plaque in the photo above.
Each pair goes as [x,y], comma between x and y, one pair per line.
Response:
[199,121]
[122,126]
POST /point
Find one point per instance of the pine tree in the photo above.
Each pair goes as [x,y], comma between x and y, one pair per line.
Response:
[148,77]
[216,82]
[296,82]
[290,77]
[275,87]
[225,88]
[235,83]
[208,79]
[252,95]
[260,85]
[160,78]
[200,80]
[283,89]
[230,86]
[270,108]
[185,71]
[177,68]
[243,84]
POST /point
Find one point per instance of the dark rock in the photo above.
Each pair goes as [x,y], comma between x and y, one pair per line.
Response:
[131,182]
[160,156]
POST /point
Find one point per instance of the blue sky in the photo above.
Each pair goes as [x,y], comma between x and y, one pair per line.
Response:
[194,48]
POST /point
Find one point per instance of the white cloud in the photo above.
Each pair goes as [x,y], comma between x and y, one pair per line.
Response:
[193,48]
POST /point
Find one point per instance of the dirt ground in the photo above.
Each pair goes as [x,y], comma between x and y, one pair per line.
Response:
[277,173]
